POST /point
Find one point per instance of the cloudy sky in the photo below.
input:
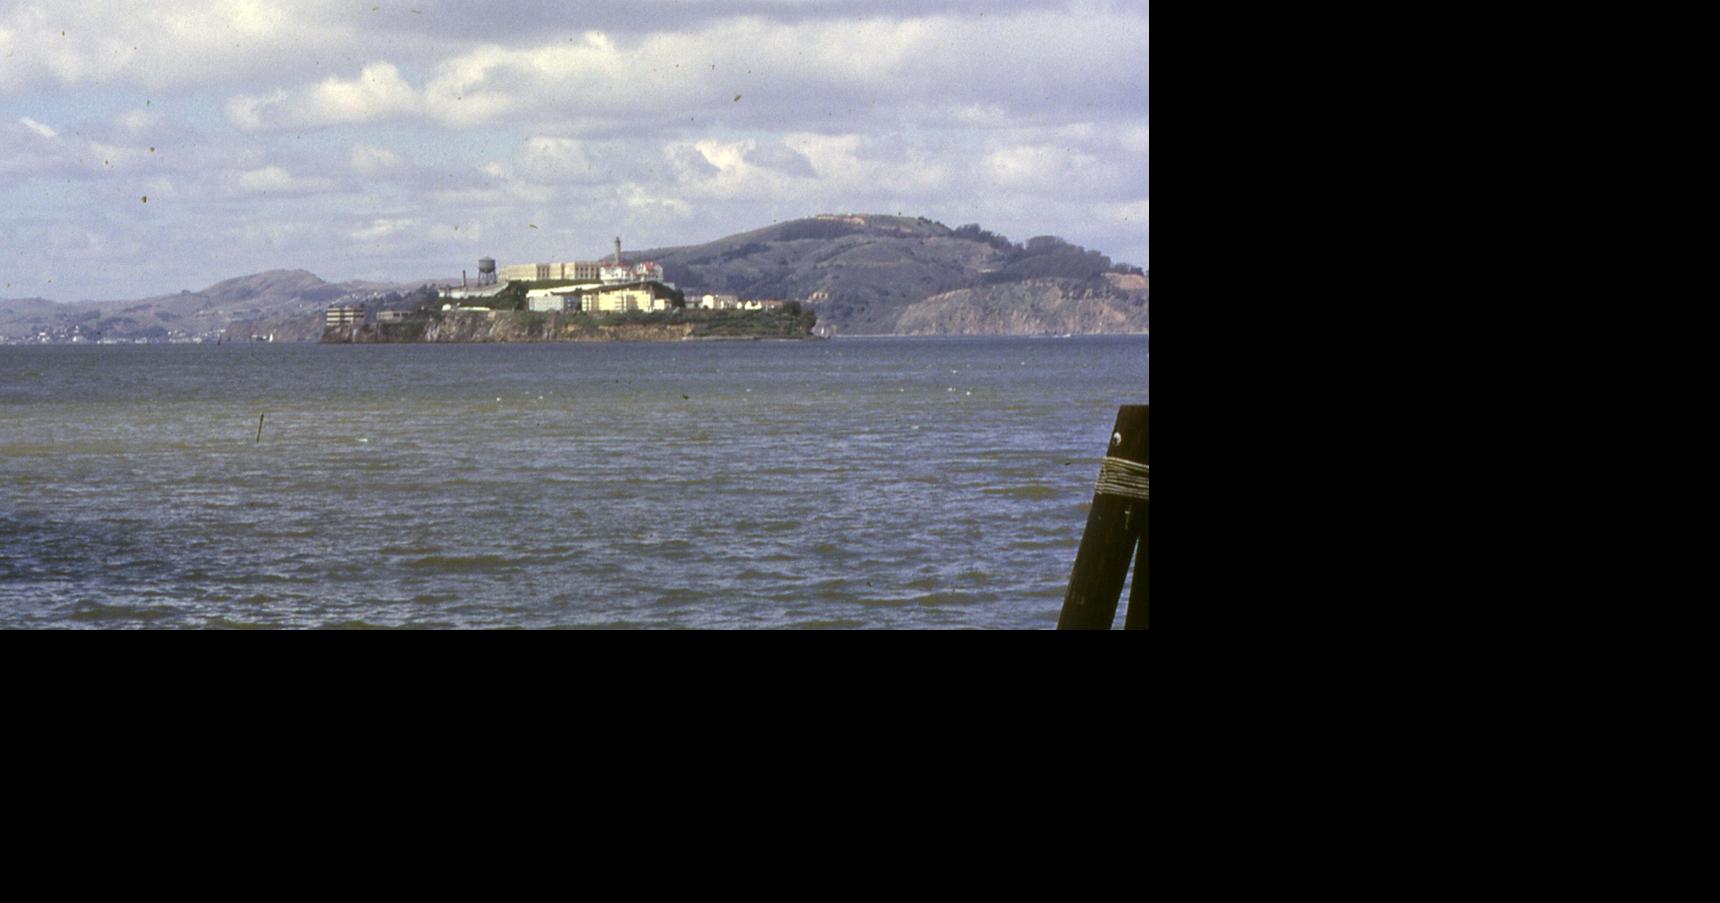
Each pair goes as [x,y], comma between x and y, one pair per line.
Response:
[371,139]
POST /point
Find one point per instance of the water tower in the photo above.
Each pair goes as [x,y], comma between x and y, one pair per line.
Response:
[486,271]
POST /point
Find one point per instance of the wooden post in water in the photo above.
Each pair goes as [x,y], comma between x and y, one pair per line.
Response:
[1116,526]
[259,428]
[1136,619]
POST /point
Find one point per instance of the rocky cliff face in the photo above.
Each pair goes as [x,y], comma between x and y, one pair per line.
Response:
[505,328]
[522,326]
[1031,307]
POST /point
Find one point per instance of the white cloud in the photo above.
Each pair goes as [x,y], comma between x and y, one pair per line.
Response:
[753,72]
[382,227]
[726,156]
[372,159]
[23,152]
[270,178]
[1136,139]
[638,198]
[555,160]
[862,166]
[377,93]
[167,44]
[112,157]
[781,158]
[247,111]
[1076,169]
[161,188]
[271,233]
[1024,166]
[135,122]
[37,127]
[687,163]
[1131,212]
[275,179]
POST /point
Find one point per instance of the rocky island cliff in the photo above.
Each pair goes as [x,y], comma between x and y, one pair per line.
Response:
[526,326]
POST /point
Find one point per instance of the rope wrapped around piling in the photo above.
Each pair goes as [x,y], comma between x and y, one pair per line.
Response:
[1125,479]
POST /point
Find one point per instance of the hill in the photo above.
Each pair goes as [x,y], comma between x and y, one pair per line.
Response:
[288,303]
[865,273]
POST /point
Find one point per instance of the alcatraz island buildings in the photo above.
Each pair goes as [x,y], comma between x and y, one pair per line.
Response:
[593,286]
[589,286]
[580,286]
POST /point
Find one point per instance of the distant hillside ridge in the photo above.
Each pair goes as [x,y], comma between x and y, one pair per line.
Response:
[864,272]
[286,303]
[861,274]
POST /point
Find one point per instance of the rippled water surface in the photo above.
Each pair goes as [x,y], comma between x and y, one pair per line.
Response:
[849,483]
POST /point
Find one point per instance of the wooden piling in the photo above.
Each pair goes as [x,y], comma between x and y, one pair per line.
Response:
[1116,526]
[1136,618]
[259,428]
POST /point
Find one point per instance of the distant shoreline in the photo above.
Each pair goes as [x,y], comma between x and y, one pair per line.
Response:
[541,341]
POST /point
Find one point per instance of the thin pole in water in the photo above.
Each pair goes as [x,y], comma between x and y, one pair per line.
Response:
[259,428]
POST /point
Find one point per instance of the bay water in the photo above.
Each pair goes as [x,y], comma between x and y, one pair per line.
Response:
[850,483]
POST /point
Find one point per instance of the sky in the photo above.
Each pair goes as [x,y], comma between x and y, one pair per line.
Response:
[148,146]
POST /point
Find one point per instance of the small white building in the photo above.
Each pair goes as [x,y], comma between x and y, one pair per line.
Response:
[482,291]
[645,271]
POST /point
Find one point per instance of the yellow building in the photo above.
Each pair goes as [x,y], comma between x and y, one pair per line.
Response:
[648,296]
[343,315]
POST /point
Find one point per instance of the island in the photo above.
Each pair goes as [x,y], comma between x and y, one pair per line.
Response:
[579,301]
[488,325]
